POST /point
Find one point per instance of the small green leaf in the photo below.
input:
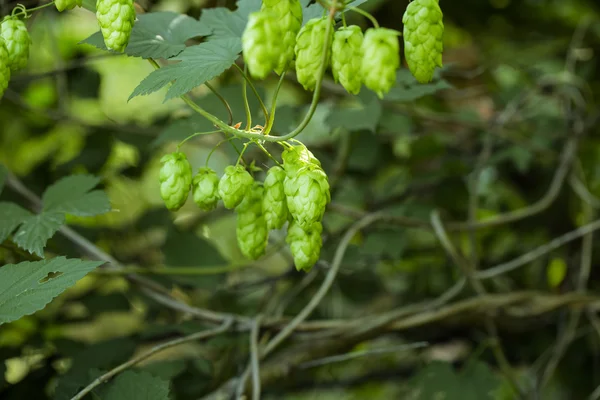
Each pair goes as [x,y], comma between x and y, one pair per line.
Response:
[11,216]
[198,64]
[408,89]
[356,119]
[71,195]
[157,35]
[138,386]
[28,286]
[36,230]
[227,24]
[556,272]
[3,175]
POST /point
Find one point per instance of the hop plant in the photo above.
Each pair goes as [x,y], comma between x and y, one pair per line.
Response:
[381,59]
[17,39]
[116,19]
[252,231]
[288,14]
[62,5]
[175,180]
[233,185]
[307,194]
[346,58]
[423,32]
[274,202]
[305,244]
[4,68]
[205,189]
[310,44]
[261,43]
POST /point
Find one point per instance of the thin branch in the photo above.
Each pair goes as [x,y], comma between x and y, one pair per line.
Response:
[254,359]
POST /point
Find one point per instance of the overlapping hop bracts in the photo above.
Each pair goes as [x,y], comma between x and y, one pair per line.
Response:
[62,5]
[261,43]
[381,59]
[17,40]
[310,44]
[233,185]
[305,244]
[116,19]
[4,68]
[288,14]
[205,191]
[346,58]
[423,33]
[252,231]
[175,180]
[307,195]
[297,157]
[274,201]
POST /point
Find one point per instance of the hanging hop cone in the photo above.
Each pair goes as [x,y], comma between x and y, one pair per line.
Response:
[346,58]
[423,33]
[310,44]
[261,43]
[274,201]
[62,5]
[175,180]
[305,244]
[116,19]
[288,14]
[17,40]
[297,157]
[233,185]
[4,68]
[381,59]
[205,189]
[252,232]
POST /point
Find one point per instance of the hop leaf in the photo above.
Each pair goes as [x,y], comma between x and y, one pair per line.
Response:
[261,43]
[62,5]
[305,244]
[381,59]
[346,58]
[252,232]
[423,32]
[17,39]
[288,14]
[310,44]
[4,68]
[234,185]
[116,19]
[307,194]
[205,189]
[175,180]
[274,202]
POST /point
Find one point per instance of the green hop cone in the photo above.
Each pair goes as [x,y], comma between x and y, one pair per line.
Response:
[381,59]
[305,244]
[205,189]
[116,19]
[274,201]
[175,180]
[297,157]
[233,185]
[4,68]
[310,44]
[62,5]
[261,43]
[423,32]
[17,39]
[252,231]
[346,58]
[288,14]
[307,194]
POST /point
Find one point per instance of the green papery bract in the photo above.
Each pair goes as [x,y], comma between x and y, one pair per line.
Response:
[205,189]
[17,41]
[233,185]
[116,19]
[288,14]
[307,195]
[4,68]
[346,58]
[251,230]
[274,201]
[305,244]
[310,45]
[261,43]
[175,180]
[381,59]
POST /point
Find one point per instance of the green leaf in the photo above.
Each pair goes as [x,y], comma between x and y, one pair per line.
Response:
[36,230]
[157,35]
[3,175]
[138,386]
[227,24]
[89,5]
[408,89]
[198,64]
[356,119]
[71,195]
[11,216]
[28,286]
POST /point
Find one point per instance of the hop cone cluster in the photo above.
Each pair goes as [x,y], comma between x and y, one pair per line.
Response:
[274,201]
[252,231]
[381,59]
[116,19]
[233,185]
[288,16]
[261,43]
[310,44]
[205,189]
[346,58]
[423,32]
[62,5]
[175,180]
[4,68]
[17,40]
[305,244]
